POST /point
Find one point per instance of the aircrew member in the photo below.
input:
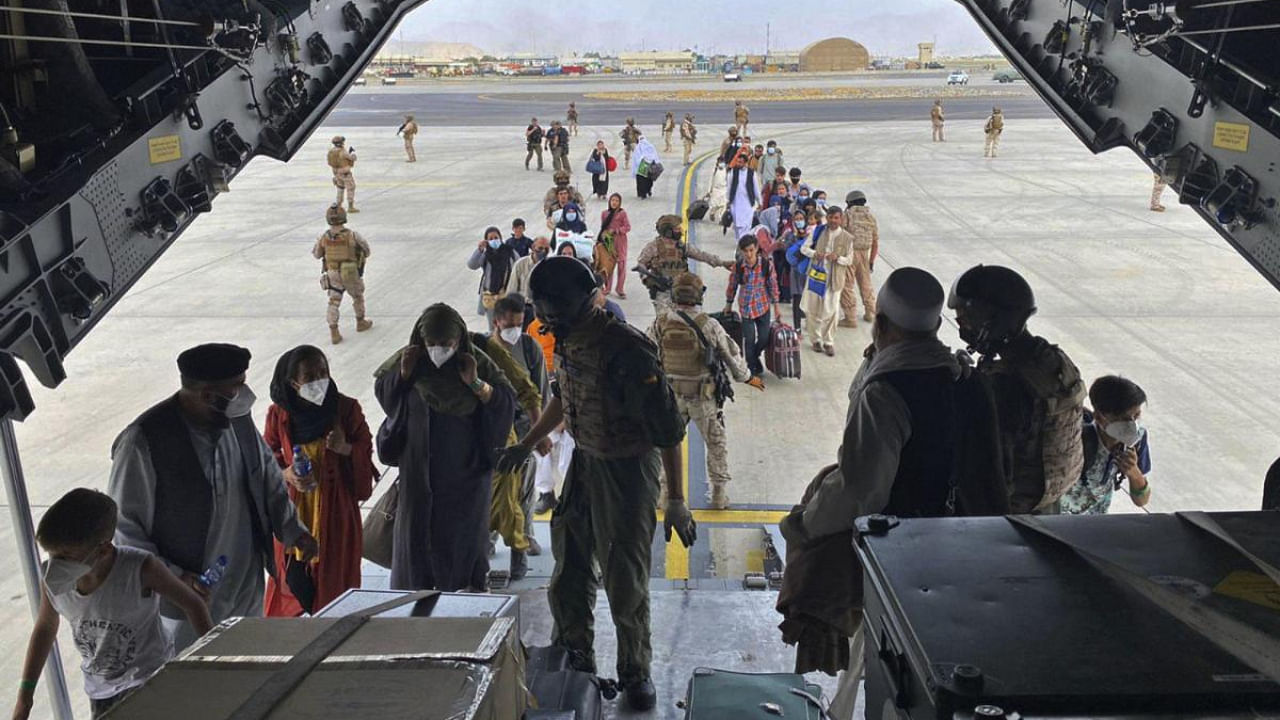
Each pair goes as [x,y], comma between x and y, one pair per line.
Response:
[344,253]
[620,410]
[341,159]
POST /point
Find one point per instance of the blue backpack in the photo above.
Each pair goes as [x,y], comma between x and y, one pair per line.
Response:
[798,261]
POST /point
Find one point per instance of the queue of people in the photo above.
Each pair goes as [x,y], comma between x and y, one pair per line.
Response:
[482,435]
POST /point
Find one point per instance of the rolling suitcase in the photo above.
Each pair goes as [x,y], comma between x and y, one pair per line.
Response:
[782,357]
[562,692]
[721,694]
[732,324]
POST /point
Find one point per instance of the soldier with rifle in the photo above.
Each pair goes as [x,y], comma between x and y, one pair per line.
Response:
[665,257]
[698,357]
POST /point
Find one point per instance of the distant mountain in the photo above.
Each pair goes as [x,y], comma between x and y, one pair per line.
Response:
[434,50]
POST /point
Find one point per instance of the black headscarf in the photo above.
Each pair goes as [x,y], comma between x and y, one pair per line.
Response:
[576,226]
[499,261]
[307,422]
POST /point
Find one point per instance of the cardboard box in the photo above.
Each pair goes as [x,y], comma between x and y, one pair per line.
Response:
[388,669]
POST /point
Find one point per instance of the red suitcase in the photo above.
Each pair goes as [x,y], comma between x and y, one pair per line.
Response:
[782,358]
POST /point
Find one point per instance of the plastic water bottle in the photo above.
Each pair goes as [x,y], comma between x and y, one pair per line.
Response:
[214,574]
[301,465]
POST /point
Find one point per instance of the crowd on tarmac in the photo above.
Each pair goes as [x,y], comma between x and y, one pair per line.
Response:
[562,405]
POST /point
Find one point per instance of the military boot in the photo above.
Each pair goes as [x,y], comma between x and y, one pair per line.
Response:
[335,337]
[641,696]
[362,324]
[718,497]
[351,208]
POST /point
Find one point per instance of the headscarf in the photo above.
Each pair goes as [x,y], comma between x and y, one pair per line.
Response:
[307,422]
[441,387]
[577,226]
[499,261]
[644,151]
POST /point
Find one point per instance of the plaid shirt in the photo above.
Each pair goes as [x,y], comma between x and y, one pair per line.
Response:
[759,288]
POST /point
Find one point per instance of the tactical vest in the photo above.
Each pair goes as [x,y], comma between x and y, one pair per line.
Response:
[410,129]
[338,158]
[592,403]
[1047,456]
[671,261]
[339,248]
[995,123]
[684,357]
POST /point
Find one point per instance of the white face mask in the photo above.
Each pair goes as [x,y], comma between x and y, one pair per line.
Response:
[61,574]
[242,404]
[440,354]
[771,150]
[495,244]
[510,335]
[1128,432]
[315,391]
[571,216]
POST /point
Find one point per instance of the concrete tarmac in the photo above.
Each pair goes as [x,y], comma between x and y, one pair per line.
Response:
[1160,298]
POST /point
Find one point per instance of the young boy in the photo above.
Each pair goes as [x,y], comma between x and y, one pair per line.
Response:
[1116,449]
[518,242]
[111,598]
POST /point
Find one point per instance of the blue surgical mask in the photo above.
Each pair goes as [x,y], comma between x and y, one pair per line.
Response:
[800,224]
[771,150]
[571,217]
[495,244]
[822,202]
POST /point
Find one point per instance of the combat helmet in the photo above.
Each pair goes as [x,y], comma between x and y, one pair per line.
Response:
[561,177]
[335,215]
[631,121]
[687,289]
[668,225]
[855,197]
[992,305]
[733,131]
[339,139]
[563,290]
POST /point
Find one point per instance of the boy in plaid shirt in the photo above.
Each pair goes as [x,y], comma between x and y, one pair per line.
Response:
[755,283]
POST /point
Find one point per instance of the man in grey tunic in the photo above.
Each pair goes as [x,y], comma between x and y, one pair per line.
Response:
[195,483]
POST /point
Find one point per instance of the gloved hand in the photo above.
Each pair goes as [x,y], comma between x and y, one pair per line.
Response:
[512,458]
[678,517]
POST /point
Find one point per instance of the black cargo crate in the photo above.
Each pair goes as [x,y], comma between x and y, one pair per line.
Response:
[987,614]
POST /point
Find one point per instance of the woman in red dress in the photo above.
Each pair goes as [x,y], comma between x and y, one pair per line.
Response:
[308,412]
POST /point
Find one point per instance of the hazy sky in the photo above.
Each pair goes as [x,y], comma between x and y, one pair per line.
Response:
[500,26]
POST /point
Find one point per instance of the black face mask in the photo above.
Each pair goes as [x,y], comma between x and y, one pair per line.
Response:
[562,314]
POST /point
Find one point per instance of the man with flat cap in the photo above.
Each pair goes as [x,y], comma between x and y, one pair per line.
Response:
[195,483]
[920,440]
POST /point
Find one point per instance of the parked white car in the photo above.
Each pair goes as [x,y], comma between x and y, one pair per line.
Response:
[733,77]
[958,77]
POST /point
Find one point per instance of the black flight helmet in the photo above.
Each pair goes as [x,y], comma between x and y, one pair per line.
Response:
[992,305]
[563,289]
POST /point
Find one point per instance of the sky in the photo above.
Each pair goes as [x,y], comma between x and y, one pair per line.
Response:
[710,27]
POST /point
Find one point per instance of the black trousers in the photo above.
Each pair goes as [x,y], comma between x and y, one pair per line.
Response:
[600,185]
[755,340]
[644,186]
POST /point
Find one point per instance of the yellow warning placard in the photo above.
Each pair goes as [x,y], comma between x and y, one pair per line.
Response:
[1252,587]
[165,148]
[1231,136]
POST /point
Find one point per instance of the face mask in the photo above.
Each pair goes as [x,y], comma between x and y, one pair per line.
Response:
[800,224]
[571,217]
[495,244]
[439,354]
[1128,432]
[241,404]
[510,335]
[61,575]
[770,151]
[539,254]
[822,202]
[803,198]
[315,391]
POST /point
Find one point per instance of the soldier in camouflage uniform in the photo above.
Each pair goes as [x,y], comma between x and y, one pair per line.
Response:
[630,136]
[1038,390]
[551,201]
[668,129]
[622,414]
[410,130]
[341,159]
[741,115]
[689,136]
[666,256]
[572,118]
[993,128]
[1157,189]
[935,117]
[859,221]
[343,252]
[684,360]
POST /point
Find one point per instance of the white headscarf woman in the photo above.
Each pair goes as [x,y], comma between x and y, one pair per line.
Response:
[645,154]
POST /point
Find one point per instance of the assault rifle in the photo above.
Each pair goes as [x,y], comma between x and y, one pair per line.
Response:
[656,282]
